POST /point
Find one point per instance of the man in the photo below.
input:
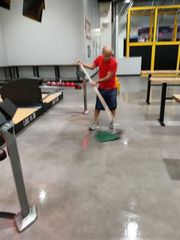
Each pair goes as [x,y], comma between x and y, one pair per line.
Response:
[107,85]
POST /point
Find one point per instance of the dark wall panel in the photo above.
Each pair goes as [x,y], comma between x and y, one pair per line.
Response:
[124,48]
[33,9]
[166,57]
[5,4]
[145,53]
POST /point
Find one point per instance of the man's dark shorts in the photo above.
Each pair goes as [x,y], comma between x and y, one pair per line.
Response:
[110,97]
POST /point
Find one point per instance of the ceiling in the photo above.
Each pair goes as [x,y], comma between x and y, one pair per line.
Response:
[157,2]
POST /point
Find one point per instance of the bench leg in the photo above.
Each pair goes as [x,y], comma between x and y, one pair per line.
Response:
[17,72]
[163,103]
[78,70]
[56,71]
[148,91]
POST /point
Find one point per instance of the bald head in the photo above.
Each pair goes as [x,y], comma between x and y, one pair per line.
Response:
[107,53]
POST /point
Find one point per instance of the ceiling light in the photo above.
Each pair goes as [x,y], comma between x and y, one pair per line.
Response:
[127,1]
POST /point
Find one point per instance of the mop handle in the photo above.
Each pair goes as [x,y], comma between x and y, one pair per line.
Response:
[109,114]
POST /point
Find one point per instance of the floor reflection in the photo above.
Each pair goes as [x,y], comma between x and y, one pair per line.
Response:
[42,196]
[131,227]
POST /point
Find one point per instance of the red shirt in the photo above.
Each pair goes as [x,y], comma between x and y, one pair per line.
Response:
[104,68]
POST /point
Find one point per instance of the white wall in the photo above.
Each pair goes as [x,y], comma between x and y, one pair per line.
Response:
[3,55]
[59,39]
[91,13]
[123,62]
[121,36]
[106,25]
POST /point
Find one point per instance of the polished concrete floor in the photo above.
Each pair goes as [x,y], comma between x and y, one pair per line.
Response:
[86,190]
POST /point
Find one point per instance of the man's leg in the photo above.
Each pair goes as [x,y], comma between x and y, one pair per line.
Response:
[113,105]
[113,113]
[112,123]
[96,115]
[95,124]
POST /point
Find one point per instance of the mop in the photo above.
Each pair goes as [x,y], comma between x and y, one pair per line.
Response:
[101,135]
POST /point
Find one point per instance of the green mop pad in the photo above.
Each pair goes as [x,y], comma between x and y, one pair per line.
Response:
[106,136]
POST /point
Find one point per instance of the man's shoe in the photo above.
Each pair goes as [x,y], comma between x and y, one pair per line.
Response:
[112,125]
[94,126]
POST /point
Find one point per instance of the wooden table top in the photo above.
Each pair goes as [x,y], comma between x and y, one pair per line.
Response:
[171,80]
[22,113]
[160,72]
[51,97]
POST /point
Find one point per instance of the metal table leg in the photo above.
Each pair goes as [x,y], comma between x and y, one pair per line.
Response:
[148,90]
[163,103]
[27,216]
[85,95]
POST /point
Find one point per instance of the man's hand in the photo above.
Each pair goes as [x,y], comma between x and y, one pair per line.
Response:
[88,66]
[80,62]
[95,82]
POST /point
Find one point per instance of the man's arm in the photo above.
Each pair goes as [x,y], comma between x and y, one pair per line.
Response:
[108,77]
[112,71]
[88,66]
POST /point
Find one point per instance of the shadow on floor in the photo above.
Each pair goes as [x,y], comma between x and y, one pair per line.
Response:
[165,131]
[7,215]
[151,117]
[173,168]
[155,103]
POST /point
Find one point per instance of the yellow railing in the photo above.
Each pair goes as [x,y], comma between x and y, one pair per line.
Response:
[153,41]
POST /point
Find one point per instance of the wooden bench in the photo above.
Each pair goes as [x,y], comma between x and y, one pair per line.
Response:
[164,82]
[160,74]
